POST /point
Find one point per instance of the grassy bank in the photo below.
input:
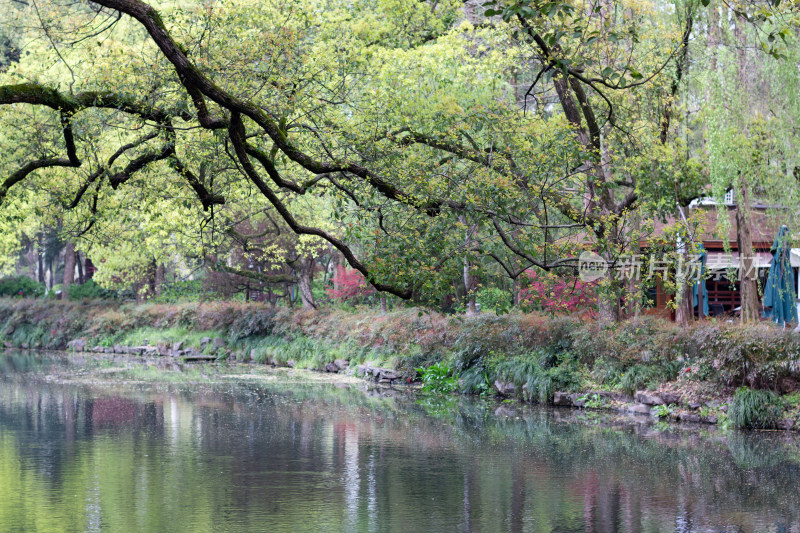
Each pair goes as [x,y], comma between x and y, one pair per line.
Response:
[525,355]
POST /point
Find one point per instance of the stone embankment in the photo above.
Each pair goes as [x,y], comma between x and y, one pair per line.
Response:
[209,350]
[665,405]
[213,349]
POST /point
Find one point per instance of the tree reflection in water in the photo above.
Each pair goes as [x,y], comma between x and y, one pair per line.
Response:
[245,456]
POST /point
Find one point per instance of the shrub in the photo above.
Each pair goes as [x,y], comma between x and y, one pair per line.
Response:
[756,355]
[557,294]
[755,409]
[494,299]
[352,285]
[90,291]
[439,378]
[189,290]
[21,286]
[250,322]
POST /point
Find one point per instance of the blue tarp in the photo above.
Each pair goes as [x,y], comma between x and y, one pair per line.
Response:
[780,293]
[702,282]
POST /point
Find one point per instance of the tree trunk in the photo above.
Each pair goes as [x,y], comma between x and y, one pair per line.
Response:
[305,276]
[470,282]
[384,309]
[633,287]
[88,269]
[81,277]
[335,265]
[150,284]
[608,305]
[69,267]
[32,261]
[40,259]
[608,298]
[515,292]
[470,285]
[684,312]
[748,286]
[713,35]
[306,296]
[159,278]
[683,291]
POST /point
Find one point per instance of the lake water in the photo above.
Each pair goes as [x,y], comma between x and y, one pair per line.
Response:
[88,446]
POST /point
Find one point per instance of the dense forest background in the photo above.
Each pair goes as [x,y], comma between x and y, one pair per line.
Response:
[451,154]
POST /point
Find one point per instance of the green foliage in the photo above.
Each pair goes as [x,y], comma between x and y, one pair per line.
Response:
[302,351]
[664,411]
[792,400]
[21,286]
[755,409]
[493,299]
[439,377]
[433,100]
[481,338]
[592,401]
[90,291]
[179,291]
[251,324]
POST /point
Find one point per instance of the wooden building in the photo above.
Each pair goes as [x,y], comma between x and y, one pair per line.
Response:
[723,254]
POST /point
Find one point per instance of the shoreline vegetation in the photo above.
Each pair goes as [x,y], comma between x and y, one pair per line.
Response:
[728,374]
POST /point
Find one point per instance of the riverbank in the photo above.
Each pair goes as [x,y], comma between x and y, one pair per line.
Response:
[711,372]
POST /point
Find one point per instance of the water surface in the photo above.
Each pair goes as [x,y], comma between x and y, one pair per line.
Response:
[85,446]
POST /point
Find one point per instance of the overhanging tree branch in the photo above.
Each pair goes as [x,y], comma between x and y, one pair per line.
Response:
[26,169]
[237,135]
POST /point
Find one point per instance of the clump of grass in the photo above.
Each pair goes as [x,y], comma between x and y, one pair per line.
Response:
[475,380]
[541,373]
[755,409]
[643,376]
[261,347]
[304,351]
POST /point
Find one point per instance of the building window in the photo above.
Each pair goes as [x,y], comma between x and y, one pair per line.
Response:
[729,197]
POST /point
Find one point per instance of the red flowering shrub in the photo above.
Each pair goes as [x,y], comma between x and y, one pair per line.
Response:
[557,294]
[349,284]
